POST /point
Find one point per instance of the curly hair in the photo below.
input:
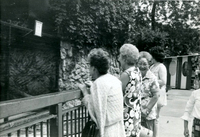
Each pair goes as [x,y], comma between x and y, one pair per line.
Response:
[99,59]
[130,53]
[145,54]
[158,54]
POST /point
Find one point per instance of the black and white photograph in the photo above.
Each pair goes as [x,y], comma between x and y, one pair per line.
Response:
[100,68]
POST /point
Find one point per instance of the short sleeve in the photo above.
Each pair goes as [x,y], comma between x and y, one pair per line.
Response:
[189,108]
[154,84]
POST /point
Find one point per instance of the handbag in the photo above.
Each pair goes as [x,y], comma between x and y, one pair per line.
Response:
[90,129]
[162,100]
[146,132]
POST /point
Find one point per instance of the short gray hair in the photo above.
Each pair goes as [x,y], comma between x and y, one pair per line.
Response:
[145,54]
[130,53]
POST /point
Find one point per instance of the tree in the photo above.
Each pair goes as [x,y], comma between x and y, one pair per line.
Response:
[170,24]
[182,22]
[97,23]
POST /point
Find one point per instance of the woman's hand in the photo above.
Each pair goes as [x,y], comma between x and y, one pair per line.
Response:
[88,83]
[145,112]
[186,132]
[83,88]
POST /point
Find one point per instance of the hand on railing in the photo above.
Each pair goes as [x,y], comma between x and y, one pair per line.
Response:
[88,83]
[85,88]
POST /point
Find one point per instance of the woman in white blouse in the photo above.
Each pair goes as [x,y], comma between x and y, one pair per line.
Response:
[160,71]
[192,109]
[105,100]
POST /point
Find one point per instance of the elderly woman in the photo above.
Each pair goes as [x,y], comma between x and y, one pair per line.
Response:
[150,91]
[105,101]
[131,86]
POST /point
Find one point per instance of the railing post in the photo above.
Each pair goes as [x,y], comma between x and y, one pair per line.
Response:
[6,120]
[60,120]
[56,125]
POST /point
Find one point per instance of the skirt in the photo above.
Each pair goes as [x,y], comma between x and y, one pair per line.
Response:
[196,128]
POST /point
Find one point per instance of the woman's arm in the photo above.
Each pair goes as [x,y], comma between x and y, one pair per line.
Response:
[186,130]
[84,89]
[162,75]
[88,100]
[124,79]
[187,114]
[154,99]
[154,89]
[189,107]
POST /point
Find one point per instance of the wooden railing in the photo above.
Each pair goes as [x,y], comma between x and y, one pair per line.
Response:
[42,116]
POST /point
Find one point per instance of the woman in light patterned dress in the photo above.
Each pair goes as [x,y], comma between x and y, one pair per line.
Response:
[131,86]
[150,92]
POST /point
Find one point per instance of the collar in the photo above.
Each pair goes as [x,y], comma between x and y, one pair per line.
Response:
[148,75]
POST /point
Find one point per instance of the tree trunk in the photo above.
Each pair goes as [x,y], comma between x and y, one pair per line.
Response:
[153,15]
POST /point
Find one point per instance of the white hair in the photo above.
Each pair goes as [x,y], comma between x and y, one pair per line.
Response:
[145,54]
[130,53]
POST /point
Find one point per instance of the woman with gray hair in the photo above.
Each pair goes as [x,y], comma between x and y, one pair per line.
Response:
[131,85]
[150,92]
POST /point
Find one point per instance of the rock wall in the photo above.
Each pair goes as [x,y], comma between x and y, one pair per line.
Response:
[74,68]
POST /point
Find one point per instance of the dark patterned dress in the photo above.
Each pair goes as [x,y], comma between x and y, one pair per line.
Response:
[132,103]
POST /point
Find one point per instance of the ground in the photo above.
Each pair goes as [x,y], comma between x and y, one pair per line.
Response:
[171,125]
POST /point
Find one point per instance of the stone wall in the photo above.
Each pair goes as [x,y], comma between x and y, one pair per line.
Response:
[74,68]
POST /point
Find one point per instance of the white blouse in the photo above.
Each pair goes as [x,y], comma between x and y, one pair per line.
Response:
[105,105]
[192,108]
[160,72]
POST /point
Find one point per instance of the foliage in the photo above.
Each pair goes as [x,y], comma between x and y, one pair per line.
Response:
[111,23]
[91,23]
[182,22]
[177,27]
[147,38]
[94,23]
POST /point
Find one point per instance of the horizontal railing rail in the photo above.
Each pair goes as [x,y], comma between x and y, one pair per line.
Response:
[43,116]
[14,107]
